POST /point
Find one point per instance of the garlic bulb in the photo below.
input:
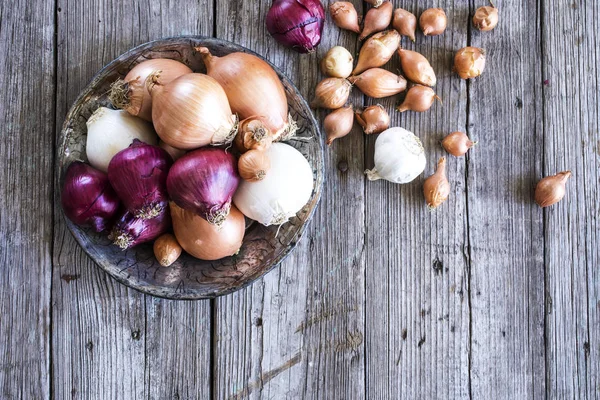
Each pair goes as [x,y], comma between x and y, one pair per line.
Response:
[399,157]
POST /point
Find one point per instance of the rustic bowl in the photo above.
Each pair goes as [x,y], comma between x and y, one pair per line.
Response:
[189,278]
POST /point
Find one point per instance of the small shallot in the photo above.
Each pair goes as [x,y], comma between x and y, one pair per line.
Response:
[373,119]
[377,19]
[416,68]
[378,83]
[418,98]
[167,249]
[129,231]
[469,62]
[551,189]
[338,123]
[337,63]
[332,93]
[485,18]
[377,50]
[433,21]
[405,23]
[253,134]
[344,15]
[253,165]
[457,144]
[437,188]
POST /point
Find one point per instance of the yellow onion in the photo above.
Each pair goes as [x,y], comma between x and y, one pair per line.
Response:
[437,188]
[433,22]
[418,98]
[253,165]
[253,134]
[338,123]
[191,111]
[253,89]
[551,189]
[378,83]
[331,93]
[131,94]
[337,63]
[344,15]
[377,50]
[485,18]
[207,241]
[416,68]
[377,19]
[457,144]
[373,119]
[469,62]
[405,23]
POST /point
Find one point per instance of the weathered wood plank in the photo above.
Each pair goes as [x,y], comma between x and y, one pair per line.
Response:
[110,341]
[27,119]
[571,107]
[417,314]
[298,333]
[506,232]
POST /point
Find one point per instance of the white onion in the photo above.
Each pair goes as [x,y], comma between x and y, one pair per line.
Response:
[399,157]
[282,193]
[110,131]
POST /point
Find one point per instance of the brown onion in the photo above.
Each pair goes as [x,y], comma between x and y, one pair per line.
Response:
[457,144]
[378,83]
[338,123]
[418,98]
[551,189]
[377,19]
[344,15]
[253,165]
[433,21]
[166,249]
[416,68]
[469,62]
[377,50]
[405,23]
[373,119]
[253,134]
[204,240]
[485,18]
[131,94]
[437,188]
[331,93]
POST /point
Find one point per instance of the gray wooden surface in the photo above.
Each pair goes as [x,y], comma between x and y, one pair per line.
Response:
[487,297]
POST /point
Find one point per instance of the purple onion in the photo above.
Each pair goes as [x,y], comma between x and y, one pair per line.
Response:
[139,176]
[87,197]
[204,181]
[296,23]
[129,230]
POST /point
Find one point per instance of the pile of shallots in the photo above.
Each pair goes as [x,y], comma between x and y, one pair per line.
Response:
[185,156]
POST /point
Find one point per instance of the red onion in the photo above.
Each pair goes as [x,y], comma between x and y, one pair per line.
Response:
[139,176]
[88,198]
[296,23]
[204,181]
[129,230]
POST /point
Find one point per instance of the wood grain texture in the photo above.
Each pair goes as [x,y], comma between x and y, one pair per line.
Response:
[26,116]
[417,313]
[505,225]
[299,332]
[110,341]
[571,36]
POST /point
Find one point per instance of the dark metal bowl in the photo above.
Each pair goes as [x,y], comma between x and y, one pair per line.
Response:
[189,278]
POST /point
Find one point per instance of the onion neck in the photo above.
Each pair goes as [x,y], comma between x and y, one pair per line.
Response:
[119,94]
[153,81]
[207,57]
[373,174]
[226,134]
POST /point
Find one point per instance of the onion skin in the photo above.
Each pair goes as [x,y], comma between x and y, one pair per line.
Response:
[469,62]
[377,19]
[338,124]
[551,189]
[416,68]
[130,231]
[485,18]
[377,50]
[378,83]
[433,21]
[405,23]
[253,89]
[457,144]
[373,119]
[344,15]
[418,98]
[87,197]
[204,240]
[131,93]
[139,176]
[204,181]
[253,165]
[167,249]
[437,188]
[331,93]
[297,24]
[253,134]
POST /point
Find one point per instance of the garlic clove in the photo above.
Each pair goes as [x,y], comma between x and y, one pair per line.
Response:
[338,124]
[433,21]
[551,189]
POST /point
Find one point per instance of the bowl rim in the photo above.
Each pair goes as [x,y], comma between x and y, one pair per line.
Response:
[151,290]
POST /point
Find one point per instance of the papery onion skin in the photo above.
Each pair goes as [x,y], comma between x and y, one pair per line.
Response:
[436,188]
[139,176]
[253,89]
[405,23]
[377,19]
[337,63]
[378,83]
[469,62]
[377,50]
[131,93]
[191,111]
[338,123]
[485,18]
[457,144]
[204,181]
[416,68]
[551,189]
[297,24]
[373,119]
[344,15]
[166,249]
[130,231]
[253,134]
[433,21]
[331,93]
[419,98]
[204,240]
[253,165]
[87,197]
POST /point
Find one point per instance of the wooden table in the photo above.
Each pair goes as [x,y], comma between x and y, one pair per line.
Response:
[488,297]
